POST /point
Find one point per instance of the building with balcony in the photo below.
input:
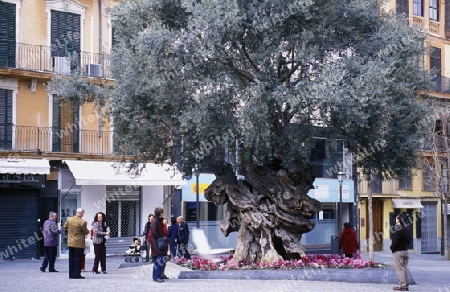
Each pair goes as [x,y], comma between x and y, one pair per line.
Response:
[57,155]
[417,194]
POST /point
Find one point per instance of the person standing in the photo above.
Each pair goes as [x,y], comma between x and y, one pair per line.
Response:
[399,247]
[51,231]
[148,237]
[183,237]
[77,230]
[100,231]
[173,235]
[348,241]
[158,257]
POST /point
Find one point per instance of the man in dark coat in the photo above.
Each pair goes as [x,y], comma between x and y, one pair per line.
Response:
[51,232]
[399,247]
[183,237]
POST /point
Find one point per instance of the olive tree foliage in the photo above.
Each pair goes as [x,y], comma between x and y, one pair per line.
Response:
[265,73]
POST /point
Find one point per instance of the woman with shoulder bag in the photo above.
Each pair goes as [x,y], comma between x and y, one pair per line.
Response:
[158,256]
[101,232]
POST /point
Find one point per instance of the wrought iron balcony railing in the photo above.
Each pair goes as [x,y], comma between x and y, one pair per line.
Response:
[47,139]
[44,59]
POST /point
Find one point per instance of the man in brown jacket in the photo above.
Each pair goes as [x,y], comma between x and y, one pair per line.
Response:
[77,229]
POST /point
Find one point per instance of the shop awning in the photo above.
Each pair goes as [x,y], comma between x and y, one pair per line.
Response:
[406,203]
[104,173]
[24,166]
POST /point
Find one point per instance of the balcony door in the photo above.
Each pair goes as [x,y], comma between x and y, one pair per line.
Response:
[65,125]
[7,35]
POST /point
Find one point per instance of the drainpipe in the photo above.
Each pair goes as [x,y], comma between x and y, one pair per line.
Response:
[100,60]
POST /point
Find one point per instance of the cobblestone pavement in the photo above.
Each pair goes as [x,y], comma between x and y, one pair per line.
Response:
[430,272]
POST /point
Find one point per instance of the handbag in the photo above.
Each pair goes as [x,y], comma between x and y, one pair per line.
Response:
[162,243]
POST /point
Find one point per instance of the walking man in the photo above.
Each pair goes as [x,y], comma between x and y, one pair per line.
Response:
[51,231]
[77,230]
[399,247]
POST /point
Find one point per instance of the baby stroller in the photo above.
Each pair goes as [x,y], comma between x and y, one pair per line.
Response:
[134,253]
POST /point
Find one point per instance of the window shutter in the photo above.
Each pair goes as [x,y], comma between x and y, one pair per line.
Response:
[7,34]
[56,127]
[6,119]
[65,33]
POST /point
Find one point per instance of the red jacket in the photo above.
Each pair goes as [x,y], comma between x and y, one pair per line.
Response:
[348,241]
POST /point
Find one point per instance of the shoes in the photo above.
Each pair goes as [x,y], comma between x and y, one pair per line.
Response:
[164,277]
[53,271]
[158,280]
[42,269]
[399,288]
[79,277]
[104,272]
[95,272]
[146,260]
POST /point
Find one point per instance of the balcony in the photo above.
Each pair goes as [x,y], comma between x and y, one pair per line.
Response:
[441,84]
[53,140]
[42,59]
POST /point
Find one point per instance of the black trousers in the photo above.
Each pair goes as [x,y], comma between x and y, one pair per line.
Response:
[50,257]
[75,256]
[100,257]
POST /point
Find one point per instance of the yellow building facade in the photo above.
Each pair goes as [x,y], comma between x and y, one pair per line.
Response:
[419,193]
[57,155]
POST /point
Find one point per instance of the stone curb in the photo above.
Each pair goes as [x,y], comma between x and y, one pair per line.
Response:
[379,276]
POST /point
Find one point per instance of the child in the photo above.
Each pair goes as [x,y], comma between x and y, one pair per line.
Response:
[135,247]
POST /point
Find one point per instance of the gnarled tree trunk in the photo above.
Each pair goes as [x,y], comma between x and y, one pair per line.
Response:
[270,209]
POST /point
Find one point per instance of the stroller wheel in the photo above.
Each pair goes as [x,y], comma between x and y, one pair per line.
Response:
[136,259]
[127,259]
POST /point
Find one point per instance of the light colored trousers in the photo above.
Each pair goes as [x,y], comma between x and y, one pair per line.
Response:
[401,264]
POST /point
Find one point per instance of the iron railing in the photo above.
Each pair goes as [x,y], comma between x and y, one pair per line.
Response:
[48,139]
[43,58]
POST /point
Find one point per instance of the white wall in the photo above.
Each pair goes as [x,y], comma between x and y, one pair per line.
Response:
[152,197]
[93,200]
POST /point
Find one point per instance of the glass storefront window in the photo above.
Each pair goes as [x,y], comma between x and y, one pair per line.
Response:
[69,205]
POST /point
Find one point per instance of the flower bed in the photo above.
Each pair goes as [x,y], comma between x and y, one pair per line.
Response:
[306,262]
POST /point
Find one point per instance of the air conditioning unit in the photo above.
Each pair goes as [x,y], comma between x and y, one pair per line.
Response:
[61,65]
[94,70]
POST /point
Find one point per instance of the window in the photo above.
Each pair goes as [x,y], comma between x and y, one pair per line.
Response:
[7,34]
[6,100]
[418,7]
[434,10]
[428,177]
[404,181]
[375,185]
[435,67]
[402,7]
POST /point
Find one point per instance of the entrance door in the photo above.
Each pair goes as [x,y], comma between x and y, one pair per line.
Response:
[377,213]
[429,238]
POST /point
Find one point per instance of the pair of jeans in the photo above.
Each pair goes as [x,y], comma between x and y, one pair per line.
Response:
[49,258]
[159,263]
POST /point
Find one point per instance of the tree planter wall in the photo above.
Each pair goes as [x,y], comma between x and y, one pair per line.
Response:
[381,276]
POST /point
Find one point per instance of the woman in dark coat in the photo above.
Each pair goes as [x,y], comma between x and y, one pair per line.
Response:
[348,241]
[158,257]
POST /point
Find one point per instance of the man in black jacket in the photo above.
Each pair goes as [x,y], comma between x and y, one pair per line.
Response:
[399,247]
[183,237]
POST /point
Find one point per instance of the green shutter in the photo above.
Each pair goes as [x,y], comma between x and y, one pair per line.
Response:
[7,35]
[65,33]
[6,119]
[56,127]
